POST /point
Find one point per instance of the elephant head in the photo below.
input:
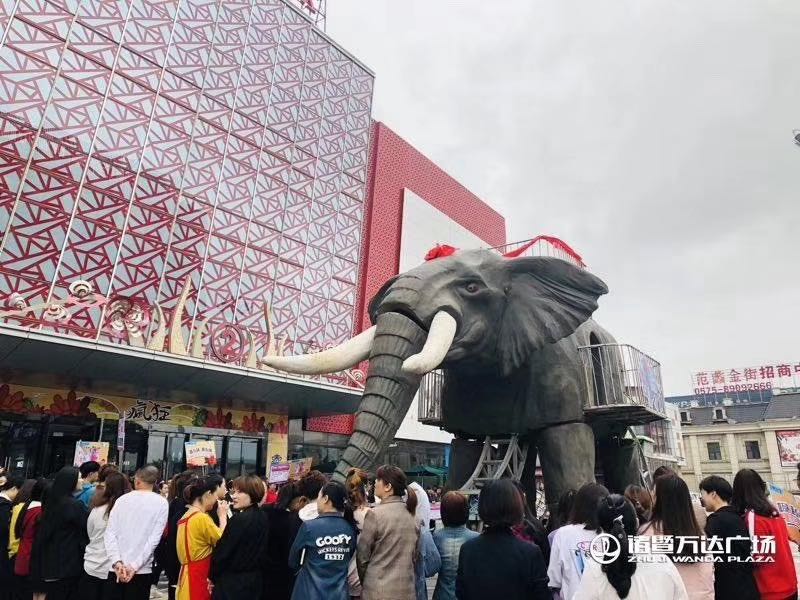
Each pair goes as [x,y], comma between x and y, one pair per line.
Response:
[473,306]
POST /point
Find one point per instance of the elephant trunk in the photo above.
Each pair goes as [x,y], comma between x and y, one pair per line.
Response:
[388,392]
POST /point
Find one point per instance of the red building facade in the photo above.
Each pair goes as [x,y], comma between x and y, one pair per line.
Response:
[186,186]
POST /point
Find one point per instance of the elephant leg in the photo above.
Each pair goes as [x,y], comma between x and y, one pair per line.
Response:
[619,459]
[566,453]
[464,456]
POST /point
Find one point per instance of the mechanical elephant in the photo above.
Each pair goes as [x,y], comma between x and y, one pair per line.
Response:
[506,334]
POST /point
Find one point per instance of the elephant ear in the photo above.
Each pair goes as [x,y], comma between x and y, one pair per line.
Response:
[373,305]
[547,299]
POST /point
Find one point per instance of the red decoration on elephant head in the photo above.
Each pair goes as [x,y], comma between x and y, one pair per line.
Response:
[439,251]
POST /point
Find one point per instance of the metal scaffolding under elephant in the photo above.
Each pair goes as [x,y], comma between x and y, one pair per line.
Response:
[504,355]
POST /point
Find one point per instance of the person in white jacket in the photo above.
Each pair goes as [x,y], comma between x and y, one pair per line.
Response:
[570,549]
[621,578]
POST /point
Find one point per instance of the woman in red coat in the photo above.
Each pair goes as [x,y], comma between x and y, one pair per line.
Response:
[776,580]
[26,527]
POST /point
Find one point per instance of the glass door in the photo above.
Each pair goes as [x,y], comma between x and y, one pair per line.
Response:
[174,459]
[242,457]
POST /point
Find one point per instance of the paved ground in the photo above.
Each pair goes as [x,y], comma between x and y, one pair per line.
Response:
[160,592]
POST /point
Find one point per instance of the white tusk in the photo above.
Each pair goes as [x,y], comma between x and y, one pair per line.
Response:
[342,357]
[440,337]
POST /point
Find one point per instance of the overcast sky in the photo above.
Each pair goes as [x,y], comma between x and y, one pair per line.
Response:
[654,137]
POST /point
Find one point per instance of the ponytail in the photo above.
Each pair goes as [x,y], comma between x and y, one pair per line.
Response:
[618,518]
[411,500]
[337,494]
[196,487]
[394,476]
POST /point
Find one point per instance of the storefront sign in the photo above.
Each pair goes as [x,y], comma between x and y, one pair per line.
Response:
[278,444]
[148,411]
[86,451]
[75,403]
[201,453]
[789,447]
[789,508]
[744,379]
[279,473]
[299,467]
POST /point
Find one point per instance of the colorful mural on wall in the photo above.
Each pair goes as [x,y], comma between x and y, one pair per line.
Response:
[75,403]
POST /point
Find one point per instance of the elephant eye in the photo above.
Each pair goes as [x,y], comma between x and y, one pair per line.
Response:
[472,287]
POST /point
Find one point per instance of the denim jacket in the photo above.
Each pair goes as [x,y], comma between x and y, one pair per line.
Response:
[448,541]
[329,543]
[428,562]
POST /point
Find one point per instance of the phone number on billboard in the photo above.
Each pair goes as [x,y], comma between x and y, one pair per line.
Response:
[723,389]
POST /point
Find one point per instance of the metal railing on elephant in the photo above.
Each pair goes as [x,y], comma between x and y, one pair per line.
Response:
[623,384]
[541,245]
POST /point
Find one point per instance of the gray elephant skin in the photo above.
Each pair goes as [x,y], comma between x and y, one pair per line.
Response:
[512,367]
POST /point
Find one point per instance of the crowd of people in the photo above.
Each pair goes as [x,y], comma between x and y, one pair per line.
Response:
[93,534]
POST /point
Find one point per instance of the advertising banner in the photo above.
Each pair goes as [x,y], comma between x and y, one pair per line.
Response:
[278,442]
[742,379]
[201,453]
[789,507]
[86,451]
[788,447]
[299,467]
[279,473]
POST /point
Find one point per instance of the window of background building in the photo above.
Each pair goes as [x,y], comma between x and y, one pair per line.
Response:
[714,451]
[752,450]
[719,414]
[684,416]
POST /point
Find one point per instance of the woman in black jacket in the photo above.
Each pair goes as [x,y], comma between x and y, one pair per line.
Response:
[57,558]
[496,564]
[284,524]
[239,558]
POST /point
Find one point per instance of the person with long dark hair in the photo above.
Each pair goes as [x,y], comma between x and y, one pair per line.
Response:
[570,549]
[497,564]
[22,498]
[619,578]
[387,548]
[25,528]
[167,551]
[673,515]
[776,580]
[96,563]
[239,558]
[561,515]
[531,529]
[642,501]
[284,524]
[699,512]
[57,557]
[197,536]
[324,546]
